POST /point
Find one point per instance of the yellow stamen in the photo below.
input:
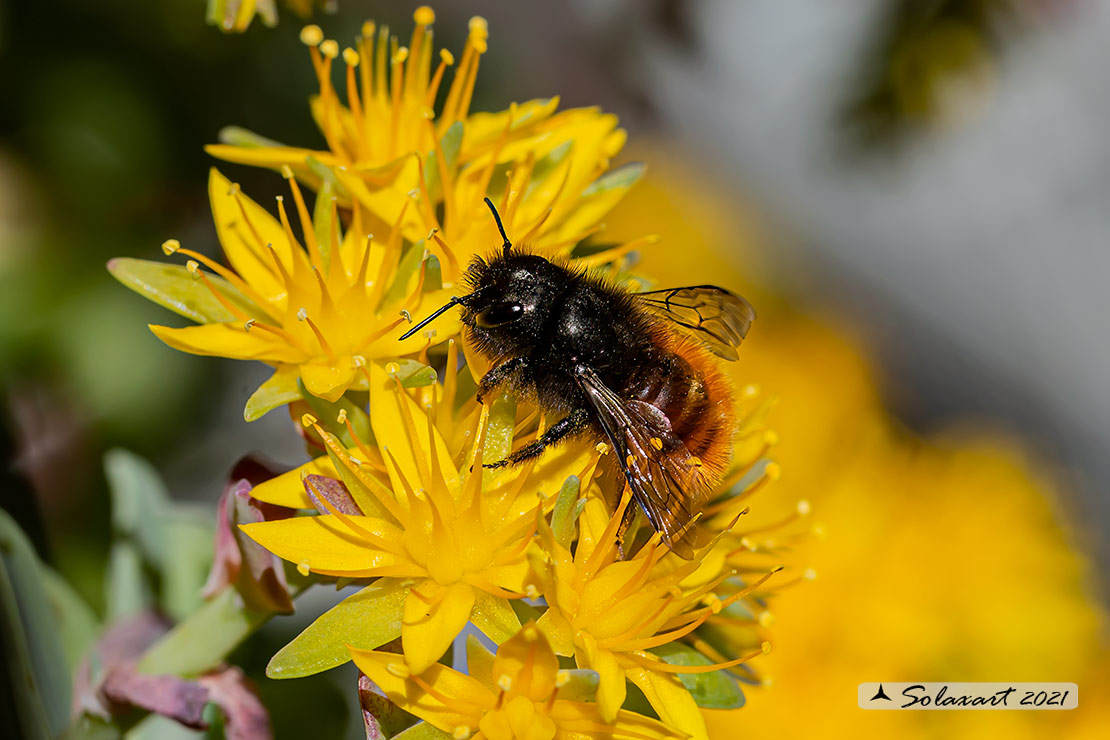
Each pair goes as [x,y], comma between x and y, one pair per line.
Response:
[223,272]
[311,35]
[235,311]
[657,664]
[302,315]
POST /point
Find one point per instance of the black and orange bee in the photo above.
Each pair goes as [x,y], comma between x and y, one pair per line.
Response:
[635,370]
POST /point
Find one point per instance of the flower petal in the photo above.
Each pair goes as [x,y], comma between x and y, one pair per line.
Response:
[494,616]
[670,699]
[612,689]
[226,340]
[578,719]
[245,240]
[479,662]
[324,544]
[389,429]
[529,664]
[278,390]
[367,620]
[328,380]
[434,616]
[559,631]
[287,489]
[387,670]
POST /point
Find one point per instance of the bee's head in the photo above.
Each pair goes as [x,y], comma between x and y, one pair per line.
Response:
[509,298]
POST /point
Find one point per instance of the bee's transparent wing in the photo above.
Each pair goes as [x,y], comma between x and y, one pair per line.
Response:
[660,471]
[717,318]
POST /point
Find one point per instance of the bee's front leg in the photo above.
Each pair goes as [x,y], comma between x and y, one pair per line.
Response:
[498,375]
[573,423]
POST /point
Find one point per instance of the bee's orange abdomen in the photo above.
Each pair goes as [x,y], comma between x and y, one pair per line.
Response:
[697,399]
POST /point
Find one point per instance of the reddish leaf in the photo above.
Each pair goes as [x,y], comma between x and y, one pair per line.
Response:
[122,644]
[382,718]
[123,687]
[246,718]
[334,491]
[262,583]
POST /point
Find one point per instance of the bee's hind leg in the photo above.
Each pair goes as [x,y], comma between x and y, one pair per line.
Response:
[575,422]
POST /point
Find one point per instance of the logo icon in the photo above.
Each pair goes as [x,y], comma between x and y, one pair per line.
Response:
[880,694]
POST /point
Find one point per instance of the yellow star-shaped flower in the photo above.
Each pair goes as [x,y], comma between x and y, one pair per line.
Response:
[519,694]
[316,312]
[446,545]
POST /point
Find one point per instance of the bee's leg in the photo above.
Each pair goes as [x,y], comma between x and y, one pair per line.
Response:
[498,375]
[573,423]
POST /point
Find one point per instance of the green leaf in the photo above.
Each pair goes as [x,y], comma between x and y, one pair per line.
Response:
[433,274]
[415,374]
[367,620]
[279,389]
[236,136]
[716,690]
[203,640]
[328,190]
[494,616]
[406,271]
[328,414]
[563,518]
[157,727]
[581,684]
[450,143]
[188,536]
[499,435]
[138,499]
[621,177]
[126,591]
[524,611]
[548,165]
[321,221]
[34,659]
[77,624]
[579,507]
[87,727]
[173,287]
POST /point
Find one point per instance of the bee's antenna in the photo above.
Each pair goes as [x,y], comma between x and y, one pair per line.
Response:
[497,217]
[450,304]
[455,301]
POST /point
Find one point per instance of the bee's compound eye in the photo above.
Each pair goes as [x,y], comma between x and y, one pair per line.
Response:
[499,314]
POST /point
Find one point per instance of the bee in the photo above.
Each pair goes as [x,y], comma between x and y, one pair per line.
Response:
[635,370]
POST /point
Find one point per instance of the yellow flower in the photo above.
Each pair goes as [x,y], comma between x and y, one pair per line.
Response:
[236,15]
[977,582]
[315,313]
[389,149]
[519,693]
[445,545]
[609,612]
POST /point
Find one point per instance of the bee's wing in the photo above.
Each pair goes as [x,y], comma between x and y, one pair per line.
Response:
[659,469]
[714,316]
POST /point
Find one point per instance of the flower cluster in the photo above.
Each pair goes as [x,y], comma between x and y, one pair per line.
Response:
[438,542]
[375,250]
[602,629]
